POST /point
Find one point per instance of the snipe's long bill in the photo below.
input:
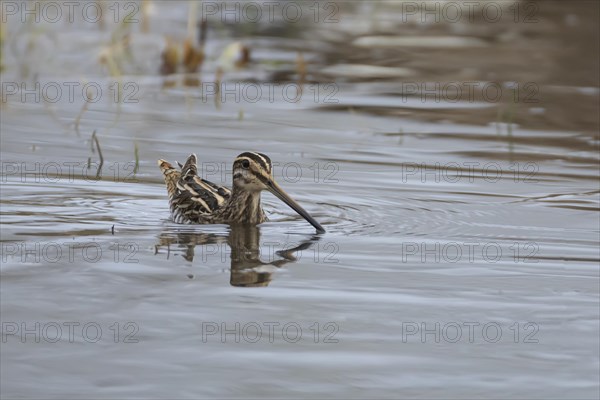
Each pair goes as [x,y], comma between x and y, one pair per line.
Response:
[194,200]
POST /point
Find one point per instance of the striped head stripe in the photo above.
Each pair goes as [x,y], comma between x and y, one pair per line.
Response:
[262,160]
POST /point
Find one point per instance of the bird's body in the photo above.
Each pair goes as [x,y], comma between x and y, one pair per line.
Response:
[194,200]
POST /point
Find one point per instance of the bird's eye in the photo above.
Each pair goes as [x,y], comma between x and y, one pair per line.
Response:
[245,164]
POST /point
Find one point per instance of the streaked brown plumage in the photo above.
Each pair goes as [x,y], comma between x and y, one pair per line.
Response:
[194,200]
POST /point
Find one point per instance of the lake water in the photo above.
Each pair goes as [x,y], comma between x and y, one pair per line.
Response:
[462,247]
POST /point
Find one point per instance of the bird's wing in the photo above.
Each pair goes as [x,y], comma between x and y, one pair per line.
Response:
[197,195]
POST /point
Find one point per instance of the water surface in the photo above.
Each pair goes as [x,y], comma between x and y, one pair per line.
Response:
[461,253]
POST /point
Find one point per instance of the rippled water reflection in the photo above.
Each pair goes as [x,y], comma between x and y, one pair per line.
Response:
[461,253]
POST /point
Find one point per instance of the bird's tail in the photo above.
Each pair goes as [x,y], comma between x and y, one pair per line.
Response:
[171,174]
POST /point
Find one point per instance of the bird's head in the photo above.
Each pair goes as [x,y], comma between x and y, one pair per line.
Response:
[253,172]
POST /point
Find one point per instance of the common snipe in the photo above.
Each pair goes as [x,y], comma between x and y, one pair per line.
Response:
[194,200]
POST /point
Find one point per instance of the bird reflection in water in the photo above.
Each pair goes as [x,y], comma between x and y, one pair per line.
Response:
[247,267]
